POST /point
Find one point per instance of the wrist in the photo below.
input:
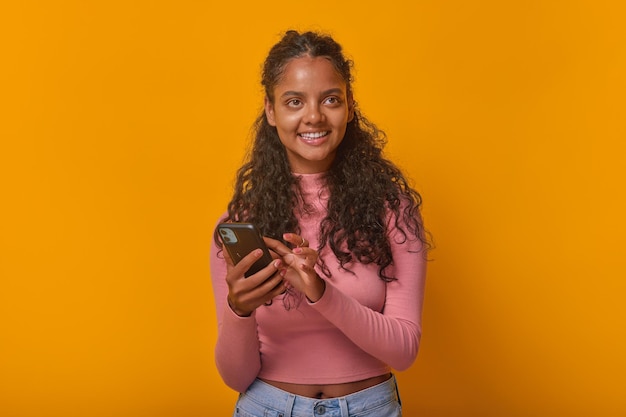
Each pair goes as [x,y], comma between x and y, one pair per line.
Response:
[317,290]
[237,311]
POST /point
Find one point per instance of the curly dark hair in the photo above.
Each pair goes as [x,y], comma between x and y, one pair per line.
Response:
[363,186]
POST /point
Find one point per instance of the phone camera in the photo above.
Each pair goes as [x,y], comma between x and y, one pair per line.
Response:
[228,235]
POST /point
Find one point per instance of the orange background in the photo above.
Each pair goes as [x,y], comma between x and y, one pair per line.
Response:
[122,125]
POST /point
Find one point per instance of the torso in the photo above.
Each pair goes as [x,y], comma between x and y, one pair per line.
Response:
[331,390]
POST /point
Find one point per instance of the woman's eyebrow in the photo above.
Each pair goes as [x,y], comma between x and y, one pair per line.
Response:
[292,93]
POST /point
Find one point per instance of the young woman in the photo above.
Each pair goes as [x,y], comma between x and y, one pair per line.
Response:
[319,329]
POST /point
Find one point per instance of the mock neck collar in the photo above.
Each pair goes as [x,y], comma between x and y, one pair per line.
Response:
[311,182]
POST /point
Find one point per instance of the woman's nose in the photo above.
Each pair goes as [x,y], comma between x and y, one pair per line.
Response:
[314,114]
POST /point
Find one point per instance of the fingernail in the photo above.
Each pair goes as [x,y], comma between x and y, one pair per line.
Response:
[277,263]
[297,250]
[258,253]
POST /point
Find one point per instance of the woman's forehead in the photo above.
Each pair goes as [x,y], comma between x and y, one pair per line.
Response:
[309,71]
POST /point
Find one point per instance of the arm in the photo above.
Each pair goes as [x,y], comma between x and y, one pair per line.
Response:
[392,335]
[237,353]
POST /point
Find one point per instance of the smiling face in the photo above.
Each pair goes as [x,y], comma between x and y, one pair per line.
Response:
[310,111]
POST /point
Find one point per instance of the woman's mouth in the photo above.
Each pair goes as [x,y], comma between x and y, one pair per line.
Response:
[310,136]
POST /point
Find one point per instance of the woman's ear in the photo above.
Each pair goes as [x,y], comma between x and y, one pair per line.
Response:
[269,112]
[351,105]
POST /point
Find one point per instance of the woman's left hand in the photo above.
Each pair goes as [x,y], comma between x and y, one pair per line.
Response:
[299,264]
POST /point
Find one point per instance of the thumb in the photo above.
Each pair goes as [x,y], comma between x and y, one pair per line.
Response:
[290,260]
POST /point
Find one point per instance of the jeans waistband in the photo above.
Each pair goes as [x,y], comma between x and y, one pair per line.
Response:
[283,401]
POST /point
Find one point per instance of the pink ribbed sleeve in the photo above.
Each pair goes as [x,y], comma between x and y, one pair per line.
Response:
[393,335]
[237,353]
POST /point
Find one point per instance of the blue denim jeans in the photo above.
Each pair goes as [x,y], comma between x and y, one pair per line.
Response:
[264,400]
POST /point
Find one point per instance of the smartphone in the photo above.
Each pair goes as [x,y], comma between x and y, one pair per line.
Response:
[240,239]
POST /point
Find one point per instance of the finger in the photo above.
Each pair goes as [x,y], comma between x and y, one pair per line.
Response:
[278,290]
[266,273]
[247,261]
[300,257]
[305,251]
[277,246]
[269,288]
[248,293]
[296,240]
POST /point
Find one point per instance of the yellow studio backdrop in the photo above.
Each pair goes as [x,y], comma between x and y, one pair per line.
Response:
[122,125]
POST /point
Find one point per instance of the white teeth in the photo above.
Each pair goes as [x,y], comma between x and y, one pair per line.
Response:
[314,135]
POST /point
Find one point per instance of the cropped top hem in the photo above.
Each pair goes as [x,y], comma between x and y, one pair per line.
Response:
[323,379]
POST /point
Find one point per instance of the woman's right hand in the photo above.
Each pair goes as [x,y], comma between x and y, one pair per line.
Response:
[246,294]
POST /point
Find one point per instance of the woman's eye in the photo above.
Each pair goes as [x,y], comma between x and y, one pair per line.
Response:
[294,102]
[332,100]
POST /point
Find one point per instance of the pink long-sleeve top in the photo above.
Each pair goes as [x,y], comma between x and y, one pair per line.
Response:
[360,328]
